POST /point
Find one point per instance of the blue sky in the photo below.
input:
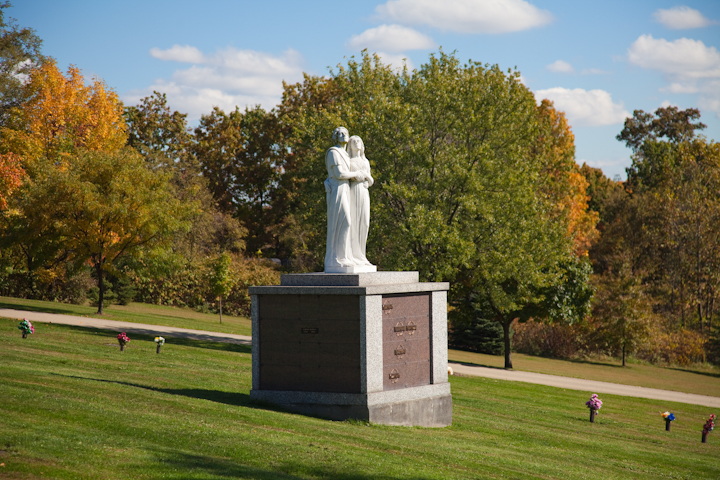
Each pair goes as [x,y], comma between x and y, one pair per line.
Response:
[598,61]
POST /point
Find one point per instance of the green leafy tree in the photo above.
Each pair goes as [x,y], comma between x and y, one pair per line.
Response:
[110,205]
[457,192]
[157,133]
[241,156]
[221,281]
[622,311]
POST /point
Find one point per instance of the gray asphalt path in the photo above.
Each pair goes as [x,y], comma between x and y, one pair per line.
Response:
[461,369]
[591,386]
[128,327]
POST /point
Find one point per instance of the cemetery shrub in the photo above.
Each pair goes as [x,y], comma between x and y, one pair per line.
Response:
[480,335]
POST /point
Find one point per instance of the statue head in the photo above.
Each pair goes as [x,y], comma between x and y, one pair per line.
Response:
[356,147]
[340,135]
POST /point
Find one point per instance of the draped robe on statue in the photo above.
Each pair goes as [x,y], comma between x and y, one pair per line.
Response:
[360,205]
[338,251]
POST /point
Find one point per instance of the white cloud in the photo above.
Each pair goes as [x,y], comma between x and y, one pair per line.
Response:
[560,66]
[391,38]
[585,108]
[683,56]
[689,66]
[466,16]
[179,53]
[681,17]
[668,103]
[226,78]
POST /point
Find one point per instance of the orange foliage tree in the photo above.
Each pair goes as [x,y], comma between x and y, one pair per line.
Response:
[61,114]
[565,186]
[11,174]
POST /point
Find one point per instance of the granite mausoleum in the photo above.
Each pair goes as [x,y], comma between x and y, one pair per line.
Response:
[371,346]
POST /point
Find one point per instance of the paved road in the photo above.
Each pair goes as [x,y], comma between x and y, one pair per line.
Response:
[461,369]
[586,385]
[129,327]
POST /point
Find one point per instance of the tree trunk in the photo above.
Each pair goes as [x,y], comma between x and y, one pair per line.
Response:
[101,288]
[220,298]
[506,338]
[623,354]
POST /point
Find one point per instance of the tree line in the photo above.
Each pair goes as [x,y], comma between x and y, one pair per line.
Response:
[476,184]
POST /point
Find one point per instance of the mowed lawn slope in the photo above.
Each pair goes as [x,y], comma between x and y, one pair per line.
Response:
[73,406]
[138,313]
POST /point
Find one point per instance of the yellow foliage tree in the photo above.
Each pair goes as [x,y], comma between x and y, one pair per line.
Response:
[10,176]
[565,185]
[60,114]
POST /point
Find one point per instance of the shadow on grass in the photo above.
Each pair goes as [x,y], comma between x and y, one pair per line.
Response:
[587,362]
[708,374]
[218,396]
[225,468]
[206,341]
[591,362]
[42,309]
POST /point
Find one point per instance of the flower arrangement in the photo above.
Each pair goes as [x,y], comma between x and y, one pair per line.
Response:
[122,340]
[26,327]
[669,417]
[594,405]
[160,342]
[709,425]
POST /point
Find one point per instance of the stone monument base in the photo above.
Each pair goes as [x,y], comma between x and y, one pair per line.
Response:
[426,406]
[370,346]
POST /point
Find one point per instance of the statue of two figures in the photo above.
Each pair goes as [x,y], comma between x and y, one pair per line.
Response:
[348,205]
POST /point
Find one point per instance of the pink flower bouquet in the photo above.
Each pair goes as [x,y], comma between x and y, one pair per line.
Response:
[122,340]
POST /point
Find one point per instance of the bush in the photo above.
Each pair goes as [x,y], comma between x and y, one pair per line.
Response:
[480,335]
[683,347]
[190,285]
[108,295]
[124,290]
[547,340]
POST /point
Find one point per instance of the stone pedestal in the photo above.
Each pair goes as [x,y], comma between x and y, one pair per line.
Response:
[371,346]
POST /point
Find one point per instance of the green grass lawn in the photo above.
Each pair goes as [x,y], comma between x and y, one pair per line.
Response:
[73,406]
[139,313]
[703,380]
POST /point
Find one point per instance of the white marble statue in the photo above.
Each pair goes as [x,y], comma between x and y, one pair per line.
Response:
[342,226]
[359,199]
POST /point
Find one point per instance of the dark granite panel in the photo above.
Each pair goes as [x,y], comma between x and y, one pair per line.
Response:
[310,354]
[310,307]
[310,379]
[309,331]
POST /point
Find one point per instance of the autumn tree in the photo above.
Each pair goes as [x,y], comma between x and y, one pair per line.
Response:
[11,174]
[62,115]
[562,181]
